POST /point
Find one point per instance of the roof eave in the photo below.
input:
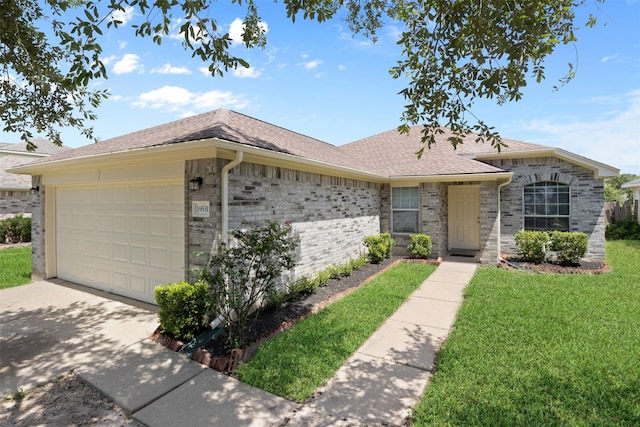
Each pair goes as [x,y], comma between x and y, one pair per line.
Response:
[484,176]
[601,170]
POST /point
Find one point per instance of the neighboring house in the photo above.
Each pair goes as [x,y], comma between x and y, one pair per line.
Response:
[15,197]
[139,210]
[635,185]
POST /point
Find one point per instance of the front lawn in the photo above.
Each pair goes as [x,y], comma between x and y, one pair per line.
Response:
[15,267]
[295,363]
[539,350]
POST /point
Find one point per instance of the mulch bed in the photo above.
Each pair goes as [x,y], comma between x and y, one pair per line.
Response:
[585,266]
[269,323]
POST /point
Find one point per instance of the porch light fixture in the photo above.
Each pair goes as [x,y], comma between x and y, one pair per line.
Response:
[34,191]
[195,183]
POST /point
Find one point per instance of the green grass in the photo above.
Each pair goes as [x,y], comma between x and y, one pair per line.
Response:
[543,350]
[15,267]
[295,363]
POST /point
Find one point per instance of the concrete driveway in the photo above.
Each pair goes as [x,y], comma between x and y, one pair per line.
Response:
[48,328]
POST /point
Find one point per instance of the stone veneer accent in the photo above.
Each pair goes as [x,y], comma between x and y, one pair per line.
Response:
[37,230]
[331,215]
[200,233]
[586,208]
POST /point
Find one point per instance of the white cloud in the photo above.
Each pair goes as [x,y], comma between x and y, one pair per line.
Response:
[237,28]
[608,58]
[312,65]
[173,98]
[342,67]
[612,138]
[122,44]
[170,69]
[109,59]
[242,72]
[123,16]
[128,64]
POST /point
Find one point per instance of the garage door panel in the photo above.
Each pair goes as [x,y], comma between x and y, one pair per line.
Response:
[120,223]
[138,255]
[158,257]
[139,284]
[139,224]
[127,246]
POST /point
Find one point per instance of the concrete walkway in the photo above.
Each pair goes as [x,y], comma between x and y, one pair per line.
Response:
[379,384]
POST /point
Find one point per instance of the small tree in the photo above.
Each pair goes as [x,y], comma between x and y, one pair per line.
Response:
[242,276]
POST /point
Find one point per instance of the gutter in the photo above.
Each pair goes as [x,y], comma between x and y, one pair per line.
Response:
[507,182]
[224,204]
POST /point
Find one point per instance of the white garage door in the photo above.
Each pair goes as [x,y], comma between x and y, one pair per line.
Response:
[125,238]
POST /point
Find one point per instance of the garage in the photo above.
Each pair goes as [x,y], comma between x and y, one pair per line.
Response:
[123,238]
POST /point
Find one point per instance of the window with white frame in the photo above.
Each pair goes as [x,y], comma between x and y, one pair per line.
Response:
[546,206]
[404,213]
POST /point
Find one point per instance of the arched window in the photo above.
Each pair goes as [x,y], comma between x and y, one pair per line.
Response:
[546,206]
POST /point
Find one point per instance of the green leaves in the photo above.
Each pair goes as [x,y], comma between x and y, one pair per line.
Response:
[453,52]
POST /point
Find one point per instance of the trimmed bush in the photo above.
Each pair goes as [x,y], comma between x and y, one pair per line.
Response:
[532,245]
[183,308]
[380,247]
[569,246]
[15,230]
[420,246]
[624,230]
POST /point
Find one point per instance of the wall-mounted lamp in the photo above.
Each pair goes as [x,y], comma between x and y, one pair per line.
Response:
[34,191]
[195,183]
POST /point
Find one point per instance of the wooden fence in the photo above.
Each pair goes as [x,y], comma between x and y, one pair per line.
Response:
[615,212]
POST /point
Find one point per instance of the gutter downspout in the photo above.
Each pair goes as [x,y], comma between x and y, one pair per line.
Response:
[507,182]
[224,190]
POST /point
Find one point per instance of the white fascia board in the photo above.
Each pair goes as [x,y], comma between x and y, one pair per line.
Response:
[186,150]
[23,153]
[408,180]
[631,184]
[601,170]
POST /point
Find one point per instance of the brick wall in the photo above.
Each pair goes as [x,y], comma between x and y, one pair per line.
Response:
[586,199]
[200,233]
[433,215]
[13,202]
[38,265]
[330,214]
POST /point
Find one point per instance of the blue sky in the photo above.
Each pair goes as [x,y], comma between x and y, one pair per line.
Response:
[318,80]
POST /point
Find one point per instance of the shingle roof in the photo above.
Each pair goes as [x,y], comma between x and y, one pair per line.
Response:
[12,180]
[393,154]
[43,146]
[222,124]
[388,154]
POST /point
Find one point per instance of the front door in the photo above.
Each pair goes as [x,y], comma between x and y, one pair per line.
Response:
[464,217]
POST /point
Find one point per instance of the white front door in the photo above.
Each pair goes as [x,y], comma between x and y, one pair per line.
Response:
[464,217]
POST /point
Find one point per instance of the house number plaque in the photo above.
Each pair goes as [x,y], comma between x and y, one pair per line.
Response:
[200,209]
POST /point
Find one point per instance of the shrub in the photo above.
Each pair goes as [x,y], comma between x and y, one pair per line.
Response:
[241,277]
[15,230]
[183,308]
[379,246]
[358,262]
[304,285]
[420,246]
[624,230]
[532,245]
[569,246]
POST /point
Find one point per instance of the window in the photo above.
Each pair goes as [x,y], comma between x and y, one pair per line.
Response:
[404,202]
[546,206]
